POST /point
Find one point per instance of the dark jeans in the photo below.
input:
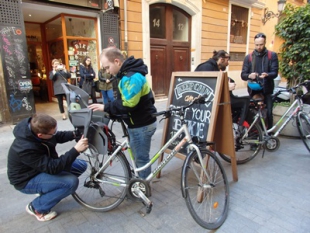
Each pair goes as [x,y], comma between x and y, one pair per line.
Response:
[240,103]
[60,102]
[53,188]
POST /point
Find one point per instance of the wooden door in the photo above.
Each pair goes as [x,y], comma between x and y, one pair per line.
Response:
[170,45]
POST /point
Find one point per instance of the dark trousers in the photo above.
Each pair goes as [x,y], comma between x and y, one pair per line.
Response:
[269,106]
[60,102]
[240,103]
[93,95]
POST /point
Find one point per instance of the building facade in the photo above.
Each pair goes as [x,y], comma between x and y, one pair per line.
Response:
[169,35]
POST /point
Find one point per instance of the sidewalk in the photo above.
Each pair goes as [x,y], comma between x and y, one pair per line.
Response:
[271,195]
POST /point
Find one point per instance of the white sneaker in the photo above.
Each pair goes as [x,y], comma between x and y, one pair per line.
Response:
[41,217]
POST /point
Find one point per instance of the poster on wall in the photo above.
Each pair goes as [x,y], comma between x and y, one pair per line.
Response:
[16,72]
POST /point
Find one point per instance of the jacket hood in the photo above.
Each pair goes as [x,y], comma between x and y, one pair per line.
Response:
[22,131]
[132,65]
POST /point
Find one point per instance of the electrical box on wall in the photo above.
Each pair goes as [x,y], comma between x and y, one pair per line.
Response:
[109,30]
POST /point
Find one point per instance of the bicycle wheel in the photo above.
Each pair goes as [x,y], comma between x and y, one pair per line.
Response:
[303,125]
[108,193]
[209,209]
[247,148]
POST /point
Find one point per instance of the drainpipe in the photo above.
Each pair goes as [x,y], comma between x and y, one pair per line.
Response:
[125,27]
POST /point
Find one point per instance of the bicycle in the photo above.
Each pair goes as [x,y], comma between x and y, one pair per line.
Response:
[256,136]
[110,177]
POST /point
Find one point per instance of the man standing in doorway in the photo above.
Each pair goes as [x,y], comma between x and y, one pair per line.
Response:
[262,66]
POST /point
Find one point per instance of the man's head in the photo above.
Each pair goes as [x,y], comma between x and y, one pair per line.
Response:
[111,60]
[260,42]
[43,126]
[222,59]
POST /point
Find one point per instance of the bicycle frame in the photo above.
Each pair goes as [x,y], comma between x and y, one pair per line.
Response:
[297,106]
[174,151]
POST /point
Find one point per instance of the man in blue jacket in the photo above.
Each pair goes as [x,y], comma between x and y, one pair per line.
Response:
[34,166]
[136,101]
[261,65]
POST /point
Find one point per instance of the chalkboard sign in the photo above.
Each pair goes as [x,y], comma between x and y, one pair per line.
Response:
[16,72]
[211,121]
[185,88]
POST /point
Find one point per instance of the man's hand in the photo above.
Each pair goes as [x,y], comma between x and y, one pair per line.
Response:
[252,76]
[263,75]
[232,86]
[96,107]
[82,144]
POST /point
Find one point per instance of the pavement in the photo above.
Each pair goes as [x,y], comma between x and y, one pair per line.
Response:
[270,195]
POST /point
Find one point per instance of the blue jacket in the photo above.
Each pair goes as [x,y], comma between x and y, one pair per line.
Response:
[137,100]
[262,64]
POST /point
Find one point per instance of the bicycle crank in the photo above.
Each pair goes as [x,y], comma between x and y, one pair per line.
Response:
[140,189]
[272,144]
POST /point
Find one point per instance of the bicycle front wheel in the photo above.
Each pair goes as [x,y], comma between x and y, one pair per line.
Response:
[303,125]
[247,148]
[106,191]
[206,195]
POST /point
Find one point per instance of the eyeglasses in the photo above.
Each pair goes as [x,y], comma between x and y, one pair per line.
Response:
[260,35]
[88,60]
[53,133]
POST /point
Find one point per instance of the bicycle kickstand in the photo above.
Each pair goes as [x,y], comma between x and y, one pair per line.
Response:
[145,200]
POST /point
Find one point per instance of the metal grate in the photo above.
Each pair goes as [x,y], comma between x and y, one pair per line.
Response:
[10,12]
[110,23]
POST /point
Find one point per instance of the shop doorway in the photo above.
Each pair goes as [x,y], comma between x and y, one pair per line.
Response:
[170,29]
[37,61]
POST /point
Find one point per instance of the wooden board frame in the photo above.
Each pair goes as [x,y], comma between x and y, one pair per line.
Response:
[219,129]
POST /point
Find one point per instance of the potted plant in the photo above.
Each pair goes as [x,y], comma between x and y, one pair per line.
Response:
[294,59]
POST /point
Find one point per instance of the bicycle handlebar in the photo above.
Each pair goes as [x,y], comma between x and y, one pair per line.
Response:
[292,89]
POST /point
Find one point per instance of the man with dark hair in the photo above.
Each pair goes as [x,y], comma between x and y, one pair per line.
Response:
[136,101]
[34,166]
[220,61]
[262,66]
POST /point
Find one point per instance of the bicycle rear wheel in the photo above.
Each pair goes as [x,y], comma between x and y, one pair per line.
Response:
[209,209]
[247,148]
[109,190]
[303,125]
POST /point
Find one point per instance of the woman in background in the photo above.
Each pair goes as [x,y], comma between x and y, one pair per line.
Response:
[59,75]
[88,75]
[106,85]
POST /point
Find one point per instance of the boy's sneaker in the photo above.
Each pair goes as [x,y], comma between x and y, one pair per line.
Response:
[41,217]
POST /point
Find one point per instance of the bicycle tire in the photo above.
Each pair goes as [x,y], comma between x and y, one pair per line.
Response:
[96,195]
[303,125]
[211,212]
[244,151]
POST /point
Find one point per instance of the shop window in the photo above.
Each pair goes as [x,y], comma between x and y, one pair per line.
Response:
[180,26]
[53,29]
[237,56]
[33,32]
[77,51]
[80,27]
[157,22]
[239,24]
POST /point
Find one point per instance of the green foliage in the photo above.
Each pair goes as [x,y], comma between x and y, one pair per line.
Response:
[294,29]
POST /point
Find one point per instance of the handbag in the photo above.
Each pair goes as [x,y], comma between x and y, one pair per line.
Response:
[97,89]
[87,86]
